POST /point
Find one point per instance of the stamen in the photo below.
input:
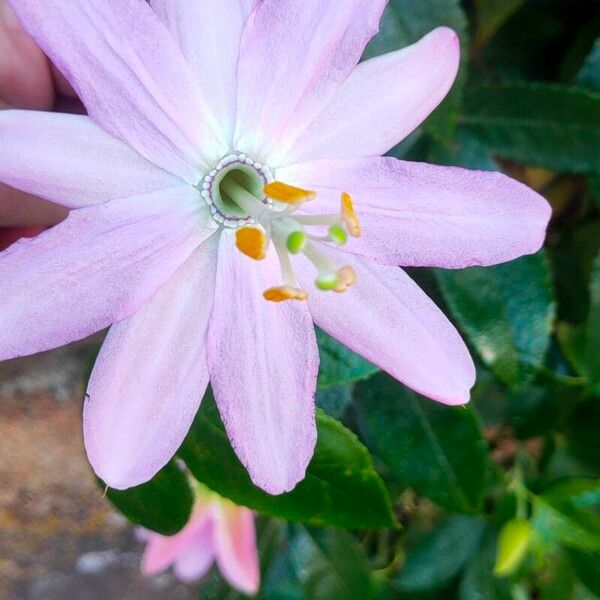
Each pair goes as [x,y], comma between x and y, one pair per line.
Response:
[286,229]
[349,216]
[286,265]
[283,293]
[347,278]
[327,275]
[324,220]
[252,242]
[288,194]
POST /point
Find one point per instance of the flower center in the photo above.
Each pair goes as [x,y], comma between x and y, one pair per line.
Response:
[240,170]
[242,194]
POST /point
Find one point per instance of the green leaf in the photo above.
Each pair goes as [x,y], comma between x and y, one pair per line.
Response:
[330,564]
[438,558]
[478,582]
[538,409]
[404,22]
[334,400]
[587,568]
[520,48]
[589,76]
[163,504]
[338,364]
[341,486]
[582,433]
[594,185]
[572,342]
[539,124]
[491,15]
[437,450]
[557,579]
[466,151]
[506,312]
[572,263]
[568,512]
[592,329]
[581,343]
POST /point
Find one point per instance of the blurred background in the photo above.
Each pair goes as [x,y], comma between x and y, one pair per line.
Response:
[527,102]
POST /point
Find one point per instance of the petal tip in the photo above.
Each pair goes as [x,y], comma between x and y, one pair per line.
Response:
[448,36]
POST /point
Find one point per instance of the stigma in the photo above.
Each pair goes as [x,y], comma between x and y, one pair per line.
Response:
[293,234]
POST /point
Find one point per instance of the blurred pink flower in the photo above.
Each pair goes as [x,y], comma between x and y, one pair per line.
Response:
[217,531]
[194,107]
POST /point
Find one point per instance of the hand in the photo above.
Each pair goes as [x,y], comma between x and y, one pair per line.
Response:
[27,81]
[25,76]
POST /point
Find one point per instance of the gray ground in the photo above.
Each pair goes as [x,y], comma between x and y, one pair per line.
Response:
[59,539]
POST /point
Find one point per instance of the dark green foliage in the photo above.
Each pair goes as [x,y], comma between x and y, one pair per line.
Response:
[341,486]
[439,451]
[163,504]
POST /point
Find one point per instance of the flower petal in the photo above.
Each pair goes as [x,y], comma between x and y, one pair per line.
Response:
[131,76]
[390,321]
[384,100]
[195,559]
[150,377]
[294,55]
[195,538]
[263,362]
[69,160]
[211,46]
[159,554]
[235,545]
[197,550]
[95,268]
[415,214]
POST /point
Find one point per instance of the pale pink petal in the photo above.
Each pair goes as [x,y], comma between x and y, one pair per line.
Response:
[235,546]
[263,363]
[194,561]
[209,33]
[390,321]
[196,556]
[384,100]
[150,377]
[294,55]
[197,550]
[415,214]
[131,76]
[159,554]
[95,268]
[69,160]
[163,551]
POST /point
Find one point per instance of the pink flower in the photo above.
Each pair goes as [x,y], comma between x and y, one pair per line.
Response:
[194,107]
[217,531]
